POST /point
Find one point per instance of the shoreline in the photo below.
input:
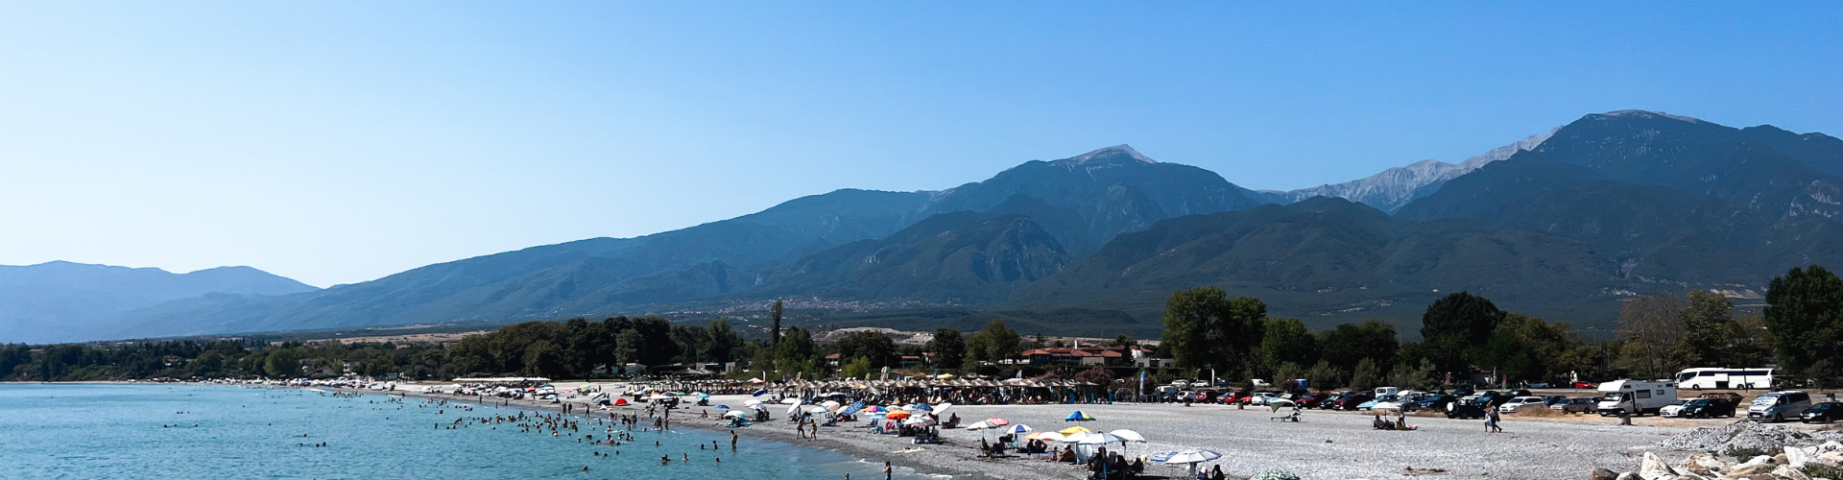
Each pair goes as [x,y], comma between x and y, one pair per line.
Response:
[922,462]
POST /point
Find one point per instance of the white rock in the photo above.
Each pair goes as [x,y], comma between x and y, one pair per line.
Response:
[1787,472]
[1654,468]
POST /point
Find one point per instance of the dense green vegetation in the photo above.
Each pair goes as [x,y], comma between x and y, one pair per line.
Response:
[1205,332]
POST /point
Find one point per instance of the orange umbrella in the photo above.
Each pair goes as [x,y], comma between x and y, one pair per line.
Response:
[897,415]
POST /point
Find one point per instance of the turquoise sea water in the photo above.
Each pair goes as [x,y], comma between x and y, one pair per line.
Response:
[81,431]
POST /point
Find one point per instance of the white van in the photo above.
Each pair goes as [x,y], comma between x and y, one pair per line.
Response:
[1635,397]
[1778,406]
[1386,391]
[1725,378]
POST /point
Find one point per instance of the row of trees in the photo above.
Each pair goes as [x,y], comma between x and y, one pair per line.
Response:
[1801,329]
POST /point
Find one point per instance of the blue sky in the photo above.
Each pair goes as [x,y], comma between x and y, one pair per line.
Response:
[336,142]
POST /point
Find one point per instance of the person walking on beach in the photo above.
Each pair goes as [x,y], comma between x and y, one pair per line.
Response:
[1491,421]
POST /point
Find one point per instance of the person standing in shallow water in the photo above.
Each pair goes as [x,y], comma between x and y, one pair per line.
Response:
[887,472]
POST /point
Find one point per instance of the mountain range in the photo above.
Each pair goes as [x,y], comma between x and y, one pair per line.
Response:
[63,300]
[1563,224]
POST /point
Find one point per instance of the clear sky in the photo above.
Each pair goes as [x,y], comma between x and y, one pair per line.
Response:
[337,142]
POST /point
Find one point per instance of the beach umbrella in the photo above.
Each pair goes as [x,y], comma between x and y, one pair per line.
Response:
[762,408]
[1076,437]
[1074,430]
[918,421]
[657,396]
[756,380]
[944,376]
[980,425]
[792,409]
[876,409]
[790,401]
[830,404]
[1046,436]
[752,403]
[1278,404]
[1017,429]
[817,410]
[1078,416]
[723,407]
[921,406]
[1191,457]
[759,393]
[1100,438]
[997,422]
[1128,436]
[701,395]
[737,414]
[897,415]
[620,401]
[942,408]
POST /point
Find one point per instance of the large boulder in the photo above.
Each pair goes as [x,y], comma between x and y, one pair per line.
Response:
[1654,468]
[1600,473]
[1702,464]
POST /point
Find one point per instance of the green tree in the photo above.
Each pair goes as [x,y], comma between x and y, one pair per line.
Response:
[1287,340]
[860,367]
[1652,324]
[1347,345]
[796,345]
[948,347]
[1123,341]
[774,316]
[1455,322]
[1205,329]
[1366,376]
[873,346]
[721,342]
[997,342]
[1804,312]
[284,363]
[628,346]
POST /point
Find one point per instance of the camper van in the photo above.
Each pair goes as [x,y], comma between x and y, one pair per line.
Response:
[1778,406]
[1635,397]
[1725,378]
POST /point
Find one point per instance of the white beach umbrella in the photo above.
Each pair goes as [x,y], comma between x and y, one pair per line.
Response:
[1191,457]
[1128,435]
[752,403]
[793,409]
[941,409]
[830,404]
[1101,438]
[817,409]
[737,414]
[1046,436]
[918,421]
[1076,437]
[979,425]
[790,401]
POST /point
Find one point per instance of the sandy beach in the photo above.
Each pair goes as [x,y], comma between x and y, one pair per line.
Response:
[1325,445]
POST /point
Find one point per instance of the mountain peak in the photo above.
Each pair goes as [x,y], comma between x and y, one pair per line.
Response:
[1647,114]
[1113,153]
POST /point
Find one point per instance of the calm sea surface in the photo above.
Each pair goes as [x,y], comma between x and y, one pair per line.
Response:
[186,432]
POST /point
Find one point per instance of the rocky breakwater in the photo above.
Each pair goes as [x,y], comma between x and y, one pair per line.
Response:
[1757,452]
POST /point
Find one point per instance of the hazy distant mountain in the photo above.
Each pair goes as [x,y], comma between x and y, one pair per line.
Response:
[1563,224]
[60,301]
[1395,187]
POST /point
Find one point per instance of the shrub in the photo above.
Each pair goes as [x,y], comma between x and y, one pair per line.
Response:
[1819,470]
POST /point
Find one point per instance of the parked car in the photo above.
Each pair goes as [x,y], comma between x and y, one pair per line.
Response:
[1462,391]
[1518,393]
[1576,405]
[1519,403]
[1435,402]
[1349,400]
[1489,399]
[1539,385]
[1708,408]
[1674,409]
[1464,410]
[1586,385]
[1778,406]
[1551,400]
[1822,413]
[1309,400]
